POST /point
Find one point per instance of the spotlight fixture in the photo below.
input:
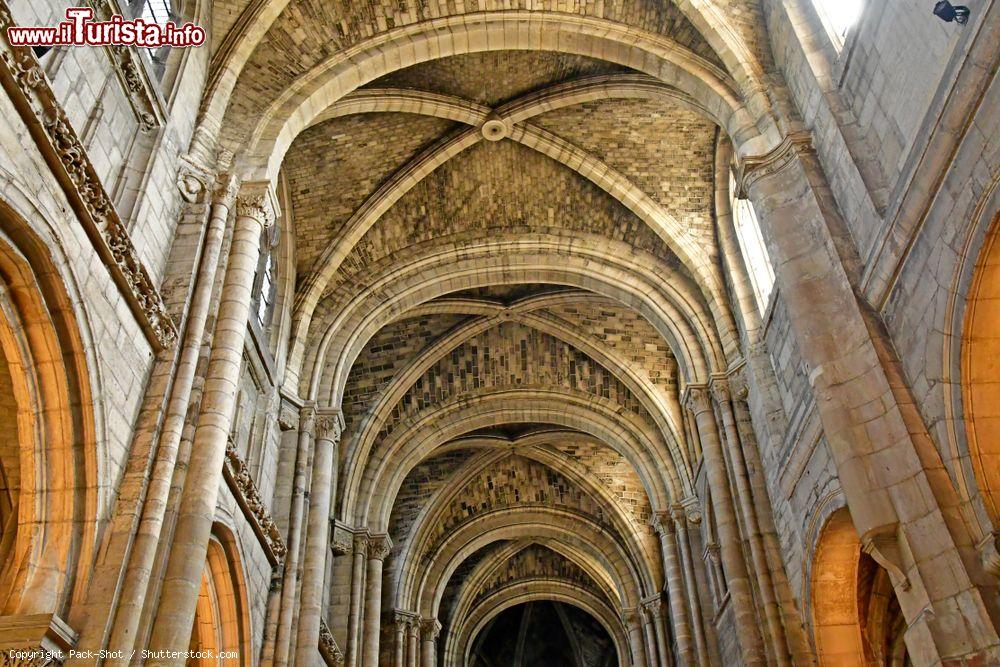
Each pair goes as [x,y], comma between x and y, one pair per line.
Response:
[948,12]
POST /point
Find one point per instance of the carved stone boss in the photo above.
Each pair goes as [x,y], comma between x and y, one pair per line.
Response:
[29,90]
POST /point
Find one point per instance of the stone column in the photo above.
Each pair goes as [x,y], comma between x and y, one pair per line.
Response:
[324,476]
[655,608]
[256,209]
[429,631]
[413,643]
[888,466]
[746,503]
[676,590]
[289,580]
[633,625]
[737,579]
[681,517]
[360,557]
[649,633]
[379,547]
[403,624]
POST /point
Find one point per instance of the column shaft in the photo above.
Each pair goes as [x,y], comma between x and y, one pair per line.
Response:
[355,623]
[676,590]
[318,537]
[691,585]
[413,645]
[378,548]
[201,489]
[633,622]
[737,578]
[429,631]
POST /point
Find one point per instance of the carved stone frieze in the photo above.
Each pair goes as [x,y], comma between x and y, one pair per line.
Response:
[328,648]
[29,90]
[142,92]
[248,497]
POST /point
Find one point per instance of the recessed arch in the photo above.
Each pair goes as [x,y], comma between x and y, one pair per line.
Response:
[221,631]
[836,618]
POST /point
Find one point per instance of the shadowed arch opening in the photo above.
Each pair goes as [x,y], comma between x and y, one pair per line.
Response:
[220,634]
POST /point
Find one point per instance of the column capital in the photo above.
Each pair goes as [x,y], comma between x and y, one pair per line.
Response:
[379,546]
[257,200]
[307,417]
[654,606]
[430,628]
[721,390]
[405,620]
[688,511]
[753,168]
[662,523]
[341,540]
[697,399]
[361,543]
[631,617]
[329,424]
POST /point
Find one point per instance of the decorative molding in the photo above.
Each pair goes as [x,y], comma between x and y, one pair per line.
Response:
[341,541]
[248,497]
[754,168]
[328,648]
[142,92]
[29,90]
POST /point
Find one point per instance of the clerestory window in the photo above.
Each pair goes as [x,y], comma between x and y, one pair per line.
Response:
[752,246]
[839,16]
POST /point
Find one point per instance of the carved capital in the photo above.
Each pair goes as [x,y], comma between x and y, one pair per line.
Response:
[341,541]
[328,425]
[721,391]
[288,416]
[654,607]
[662,523]
[430,628]
[631,617]
[361,543]
[697,400]
[36,639]
[754,168]
[379,546]
[258,201]
[307,418]
[687,510]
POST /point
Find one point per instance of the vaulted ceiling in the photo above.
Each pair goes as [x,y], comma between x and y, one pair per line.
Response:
[506,268]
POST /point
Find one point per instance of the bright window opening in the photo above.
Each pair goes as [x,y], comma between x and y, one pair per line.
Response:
[156,11]
[266,294]
[752,246]
[839,16]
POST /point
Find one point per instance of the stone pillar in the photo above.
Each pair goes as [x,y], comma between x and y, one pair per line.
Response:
[654,607]
[324,476]
[633,625]
[256,209]
[890,471]
[289,580]
[413,643]
[379,547]
[649,633]
[737,579]
[676,589]
[360,557]
[681,517]
[403,624]
[429,631]
[748,507]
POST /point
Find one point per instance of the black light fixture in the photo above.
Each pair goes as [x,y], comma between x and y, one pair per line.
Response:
[948,12]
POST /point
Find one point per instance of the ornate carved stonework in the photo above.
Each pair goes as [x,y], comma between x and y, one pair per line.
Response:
[430,628]
[662,523]
[720,390]
[29,90]
[631,618]
[328,425]
[342,541]
[379,546]
[35,640]
[243,488]
[258,201]
[141,91]
[697,400]
[328,648]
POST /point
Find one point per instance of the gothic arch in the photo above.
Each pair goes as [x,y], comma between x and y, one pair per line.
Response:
[221,623]
[834,592]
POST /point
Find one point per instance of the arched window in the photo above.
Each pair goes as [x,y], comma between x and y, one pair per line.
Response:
[264,283]
[752,246]
[838,17]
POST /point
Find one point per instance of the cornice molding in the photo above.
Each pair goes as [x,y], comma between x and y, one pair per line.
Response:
[240,482]
[29,90]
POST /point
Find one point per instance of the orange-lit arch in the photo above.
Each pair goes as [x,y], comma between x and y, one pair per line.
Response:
[221,622]
[834,588]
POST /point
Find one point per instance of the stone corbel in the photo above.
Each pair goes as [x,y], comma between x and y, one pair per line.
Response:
[341,540]
[35,639]
[883,544]
[193,180]
[753,168]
